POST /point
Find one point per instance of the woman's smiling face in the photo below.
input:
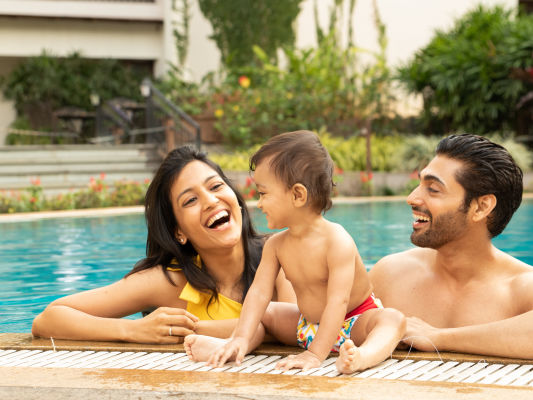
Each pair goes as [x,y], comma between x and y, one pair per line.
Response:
[206,208]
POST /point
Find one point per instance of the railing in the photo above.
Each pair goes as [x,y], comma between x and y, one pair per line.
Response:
[155,100]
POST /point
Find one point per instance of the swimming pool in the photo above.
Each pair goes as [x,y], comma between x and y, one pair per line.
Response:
[46,259]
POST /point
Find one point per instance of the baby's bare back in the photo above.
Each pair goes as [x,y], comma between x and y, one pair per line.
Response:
[306,261]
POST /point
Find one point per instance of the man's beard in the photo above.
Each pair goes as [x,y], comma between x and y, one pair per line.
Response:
[442,230]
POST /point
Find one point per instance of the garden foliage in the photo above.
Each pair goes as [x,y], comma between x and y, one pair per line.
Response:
[97,194]
[466,74]
[240,24]
[43,84]
[323,86]
[404,153]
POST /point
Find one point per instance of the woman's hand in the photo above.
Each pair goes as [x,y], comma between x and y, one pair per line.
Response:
[165,325]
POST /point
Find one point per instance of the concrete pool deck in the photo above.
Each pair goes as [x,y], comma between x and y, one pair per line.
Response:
[67,383]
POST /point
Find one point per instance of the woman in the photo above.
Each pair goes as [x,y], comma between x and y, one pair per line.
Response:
[202,254]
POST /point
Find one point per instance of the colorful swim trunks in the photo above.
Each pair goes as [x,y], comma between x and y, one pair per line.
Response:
[305,331]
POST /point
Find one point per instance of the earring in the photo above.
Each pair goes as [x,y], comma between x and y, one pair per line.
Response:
[181,240]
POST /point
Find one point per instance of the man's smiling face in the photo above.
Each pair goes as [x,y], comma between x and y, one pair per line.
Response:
[438,205]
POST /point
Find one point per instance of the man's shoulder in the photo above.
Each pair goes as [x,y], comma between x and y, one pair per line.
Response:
[521,279]
[408,258]
[405,263]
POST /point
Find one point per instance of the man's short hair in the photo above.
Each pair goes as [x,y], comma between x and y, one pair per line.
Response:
[299,157]
[488,169]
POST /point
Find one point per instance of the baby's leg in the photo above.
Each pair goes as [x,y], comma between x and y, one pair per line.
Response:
[280,321]
[376,332]
[200,347]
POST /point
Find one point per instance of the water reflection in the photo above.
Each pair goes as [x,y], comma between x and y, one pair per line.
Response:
[43,260]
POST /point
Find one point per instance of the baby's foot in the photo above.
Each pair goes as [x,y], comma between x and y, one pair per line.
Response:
[200,347]
[350,359]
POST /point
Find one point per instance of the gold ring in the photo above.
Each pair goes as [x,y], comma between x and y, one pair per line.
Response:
[169,331]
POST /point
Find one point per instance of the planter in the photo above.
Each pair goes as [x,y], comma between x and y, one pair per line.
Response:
[207,129]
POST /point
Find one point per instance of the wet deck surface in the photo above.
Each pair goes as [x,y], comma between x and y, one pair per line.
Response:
[67,383]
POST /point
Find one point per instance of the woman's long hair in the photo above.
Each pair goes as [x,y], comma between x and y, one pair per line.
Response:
[162,247]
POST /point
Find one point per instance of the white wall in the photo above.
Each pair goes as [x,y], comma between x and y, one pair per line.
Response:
[96,39]
[410,25]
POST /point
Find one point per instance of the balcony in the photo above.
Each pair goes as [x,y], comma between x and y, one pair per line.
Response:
[117,10]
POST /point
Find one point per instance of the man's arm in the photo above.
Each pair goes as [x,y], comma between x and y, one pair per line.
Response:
[510,337]
[506,338]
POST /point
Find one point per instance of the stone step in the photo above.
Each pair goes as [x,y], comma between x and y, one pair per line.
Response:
[41,169]
[61,168]
[17,155]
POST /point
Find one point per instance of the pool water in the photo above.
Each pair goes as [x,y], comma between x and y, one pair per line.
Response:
[46,259]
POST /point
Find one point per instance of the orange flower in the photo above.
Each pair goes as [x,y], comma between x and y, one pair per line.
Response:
[33,199]
[36,181]
[365,177]
[102,176]
[413,175]
[244,81]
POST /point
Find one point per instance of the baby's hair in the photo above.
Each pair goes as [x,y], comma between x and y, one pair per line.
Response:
[299,157]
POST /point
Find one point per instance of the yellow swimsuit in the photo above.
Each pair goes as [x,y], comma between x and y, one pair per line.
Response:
[224,308]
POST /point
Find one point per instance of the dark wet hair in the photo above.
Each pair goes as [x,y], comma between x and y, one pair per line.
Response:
[299,157]
[489,169]
[161,244]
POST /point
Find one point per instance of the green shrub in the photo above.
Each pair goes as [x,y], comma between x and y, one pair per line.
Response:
[388,153]
[465,74]
[40,85]
[97,194]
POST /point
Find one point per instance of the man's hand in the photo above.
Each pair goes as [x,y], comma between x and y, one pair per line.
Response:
[305,361]
[421,335]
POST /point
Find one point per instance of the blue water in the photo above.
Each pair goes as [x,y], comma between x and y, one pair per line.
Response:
[43,260]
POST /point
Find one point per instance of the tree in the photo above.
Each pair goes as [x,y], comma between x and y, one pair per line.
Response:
[240,24]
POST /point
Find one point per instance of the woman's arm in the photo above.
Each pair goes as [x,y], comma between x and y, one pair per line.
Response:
[97,314]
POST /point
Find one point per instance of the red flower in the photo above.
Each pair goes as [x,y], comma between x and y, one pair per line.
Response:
[365,177]
[146,181]
[33,199]
[530,71]
[102,176]
[244,81]
[338,171]
[413,175]
[252,193]
[36,181]
[249,181]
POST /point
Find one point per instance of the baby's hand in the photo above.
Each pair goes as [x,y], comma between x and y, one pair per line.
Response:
[236,347]
[305,360]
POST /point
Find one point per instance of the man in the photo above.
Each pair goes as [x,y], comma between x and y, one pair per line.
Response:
[459,292]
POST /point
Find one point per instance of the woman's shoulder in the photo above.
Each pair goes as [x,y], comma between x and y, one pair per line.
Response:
[157,276]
